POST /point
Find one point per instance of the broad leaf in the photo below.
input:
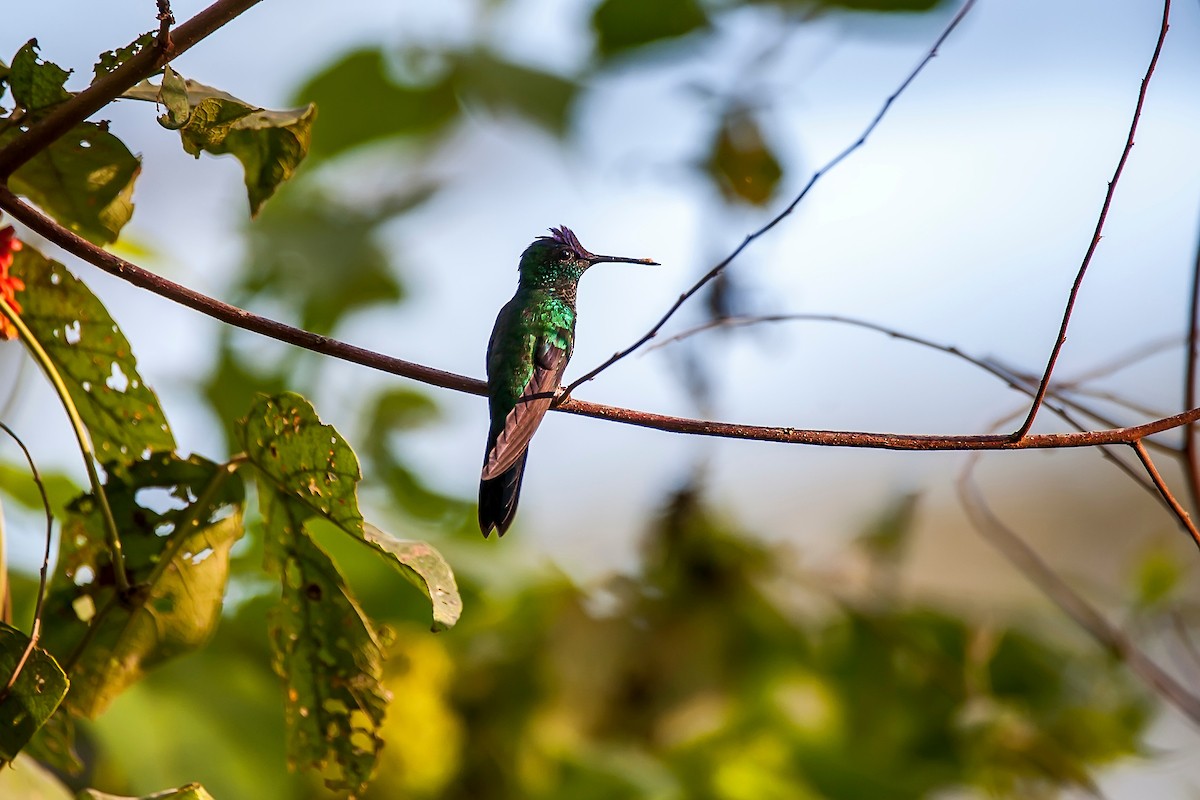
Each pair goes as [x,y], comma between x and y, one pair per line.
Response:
[193,791]
[270,144]
[36,84]
[111,59]
[17,483]
[54,744]
[425,568]
[187,512]
[308,463]
[83,179]
[362,80]
[26,779]
[621,25]
[121,413]
[501,85]
[327,653]
[741,163]
[37,692]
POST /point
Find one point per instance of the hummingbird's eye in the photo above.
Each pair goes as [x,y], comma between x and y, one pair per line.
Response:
[566,255]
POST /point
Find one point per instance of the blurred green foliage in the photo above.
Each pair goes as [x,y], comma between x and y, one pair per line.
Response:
[718,670]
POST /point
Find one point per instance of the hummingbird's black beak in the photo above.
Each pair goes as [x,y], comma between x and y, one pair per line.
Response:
[594,259]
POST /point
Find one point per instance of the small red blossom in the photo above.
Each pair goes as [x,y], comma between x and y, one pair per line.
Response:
[9,286]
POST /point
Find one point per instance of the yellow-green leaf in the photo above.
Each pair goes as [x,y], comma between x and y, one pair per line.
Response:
[178,519]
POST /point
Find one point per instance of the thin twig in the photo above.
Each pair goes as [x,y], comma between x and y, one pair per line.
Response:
[35,630]
[1091,250]
[106,88]
[719,268]
[1185,519]
[1082,613]
[1191,453]
[165,20]
[325,345]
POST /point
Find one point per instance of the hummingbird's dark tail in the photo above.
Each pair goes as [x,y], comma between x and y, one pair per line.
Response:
[498,498]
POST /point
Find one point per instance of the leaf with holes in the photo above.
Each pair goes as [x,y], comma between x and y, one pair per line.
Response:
[84,180]
[121,413]
[36,84]
[178,519]
[109,60]
[309,463]
[327,653]
[33,697]
[270,144]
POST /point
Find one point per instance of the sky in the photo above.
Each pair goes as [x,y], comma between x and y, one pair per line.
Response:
[963,219]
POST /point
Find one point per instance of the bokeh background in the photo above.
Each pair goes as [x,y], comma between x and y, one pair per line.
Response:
[673,616]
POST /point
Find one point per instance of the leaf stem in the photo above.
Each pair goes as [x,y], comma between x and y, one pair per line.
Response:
[112,536]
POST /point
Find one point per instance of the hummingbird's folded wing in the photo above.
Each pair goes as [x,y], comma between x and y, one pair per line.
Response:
[549,363]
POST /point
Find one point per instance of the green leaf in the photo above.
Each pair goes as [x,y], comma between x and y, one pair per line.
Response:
[425,568]
[54,745]
[502,86]
[83,179]
[173,93]
[28,780]
[622,25]
[111,59]
[327,653]
[121,413]
[310,464]
[362,80]
[270,144]
[193,791]
[741,163]
[188,512]
[1159,573]
[36,84]
[37,692]
[17,483]
[883,6]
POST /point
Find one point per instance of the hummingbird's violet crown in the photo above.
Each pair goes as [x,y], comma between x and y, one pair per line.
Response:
[565,236]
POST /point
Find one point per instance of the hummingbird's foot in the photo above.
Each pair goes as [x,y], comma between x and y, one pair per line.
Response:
[561,395]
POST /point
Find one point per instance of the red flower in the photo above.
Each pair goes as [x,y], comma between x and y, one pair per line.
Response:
[9,286]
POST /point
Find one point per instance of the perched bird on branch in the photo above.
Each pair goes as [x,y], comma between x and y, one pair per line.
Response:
[530,346]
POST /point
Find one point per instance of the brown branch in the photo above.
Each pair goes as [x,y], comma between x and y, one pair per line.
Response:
[325,345]
[720,267]
[1082,613]
[1096,235]
[1181,513]
[106,88]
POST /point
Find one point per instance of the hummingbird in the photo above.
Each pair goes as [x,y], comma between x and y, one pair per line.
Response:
[531,344]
